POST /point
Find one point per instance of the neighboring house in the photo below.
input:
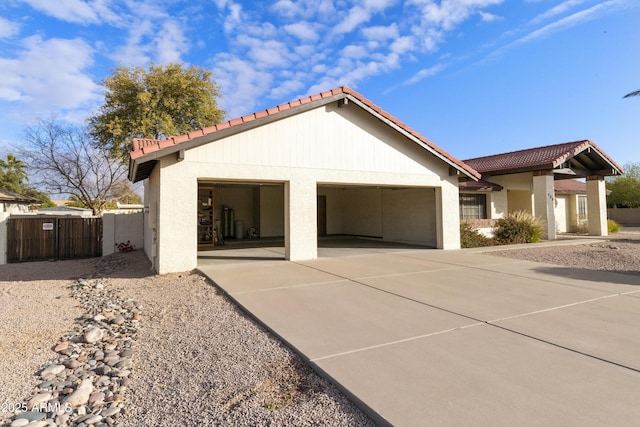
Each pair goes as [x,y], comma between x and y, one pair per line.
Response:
[541,181]
[332,163]
[15,203]
[66,210]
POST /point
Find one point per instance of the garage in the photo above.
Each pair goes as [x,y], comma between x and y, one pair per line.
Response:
[331,164]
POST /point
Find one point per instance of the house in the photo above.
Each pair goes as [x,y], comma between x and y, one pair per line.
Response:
[542,181]
[67,211]
[15,203]
[337,164]
[331,163]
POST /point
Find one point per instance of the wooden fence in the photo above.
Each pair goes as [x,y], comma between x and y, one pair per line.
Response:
[53,238]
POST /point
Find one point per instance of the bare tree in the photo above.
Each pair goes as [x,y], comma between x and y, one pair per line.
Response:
[64,160]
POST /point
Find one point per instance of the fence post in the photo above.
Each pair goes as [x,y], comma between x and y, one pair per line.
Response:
[4,217]
[108,233]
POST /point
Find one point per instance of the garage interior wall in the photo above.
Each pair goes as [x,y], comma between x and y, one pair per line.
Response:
[257,206]
[399,215]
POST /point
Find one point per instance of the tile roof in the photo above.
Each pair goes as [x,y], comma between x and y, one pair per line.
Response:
[10,196]
[143,147]
[547,157]
[569,186]
[479,185]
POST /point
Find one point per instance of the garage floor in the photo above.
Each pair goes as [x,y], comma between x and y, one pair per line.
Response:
[451,337]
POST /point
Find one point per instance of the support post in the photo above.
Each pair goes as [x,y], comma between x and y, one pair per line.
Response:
[596,206]
[300,220]
[544,201]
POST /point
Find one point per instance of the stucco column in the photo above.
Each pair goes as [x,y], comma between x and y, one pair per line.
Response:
[596,206]
[4,217]
[543,201]
[300,222]
[448,215]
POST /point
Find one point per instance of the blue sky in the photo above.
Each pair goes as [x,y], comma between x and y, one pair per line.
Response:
[477,77]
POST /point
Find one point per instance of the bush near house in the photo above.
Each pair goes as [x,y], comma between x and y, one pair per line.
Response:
[518,227]
[612,226]
[472,238]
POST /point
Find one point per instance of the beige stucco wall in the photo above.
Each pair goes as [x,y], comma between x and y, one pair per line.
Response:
[271,211]
[4,216]
[120,228]
[323,146]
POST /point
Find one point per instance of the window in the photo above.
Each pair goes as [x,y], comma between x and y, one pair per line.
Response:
[582,208]
[473,206]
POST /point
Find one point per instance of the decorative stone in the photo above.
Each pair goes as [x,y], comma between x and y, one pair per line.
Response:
[110,412]
[38,399]
[62,419]
[19,422]
[93,335]
[98,317]
[61,346]
[118,320]
[72,364]
[32,416]
[81,395]
[51,371]
[96,397]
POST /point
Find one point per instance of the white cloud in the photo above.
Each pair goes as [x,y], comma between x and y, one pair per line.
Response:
[562,24]
[381,33]
[265,53]
[242,83]
[49,73]
[153,35]
[8,29]
[75,11]
[449,13]
[556,10]
[489,17]
[360,14]
[286,88]
[304,9]
[171,43]
[356,52]
[303,30]
[424,73]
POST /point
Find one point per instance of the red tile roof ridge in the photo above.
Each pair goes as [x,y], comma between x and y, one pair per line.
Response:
[143,146]
[524,150]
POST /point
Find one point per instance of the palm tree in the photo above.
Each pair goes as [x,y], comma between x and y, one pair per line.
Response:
[636,93]
[12,173]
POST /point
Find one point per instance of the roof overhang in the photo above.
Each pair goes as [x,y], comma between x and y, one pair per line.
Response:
[591,161]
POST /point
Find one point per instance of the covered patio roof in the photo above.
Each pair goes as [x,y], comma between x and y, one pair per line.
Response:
[568,160]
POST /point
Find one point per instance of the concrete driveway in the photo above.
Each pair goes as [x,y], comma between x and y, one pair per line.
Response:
[427,337]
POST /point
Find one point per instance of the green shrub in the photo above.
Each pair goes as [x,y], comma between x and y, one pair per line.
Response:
[612,226]
[518,227]
[472,238]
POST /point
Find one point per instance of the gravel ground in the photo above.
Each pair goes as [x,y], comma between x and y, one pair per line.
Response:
[36,308]
[198,359]
[619,254]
